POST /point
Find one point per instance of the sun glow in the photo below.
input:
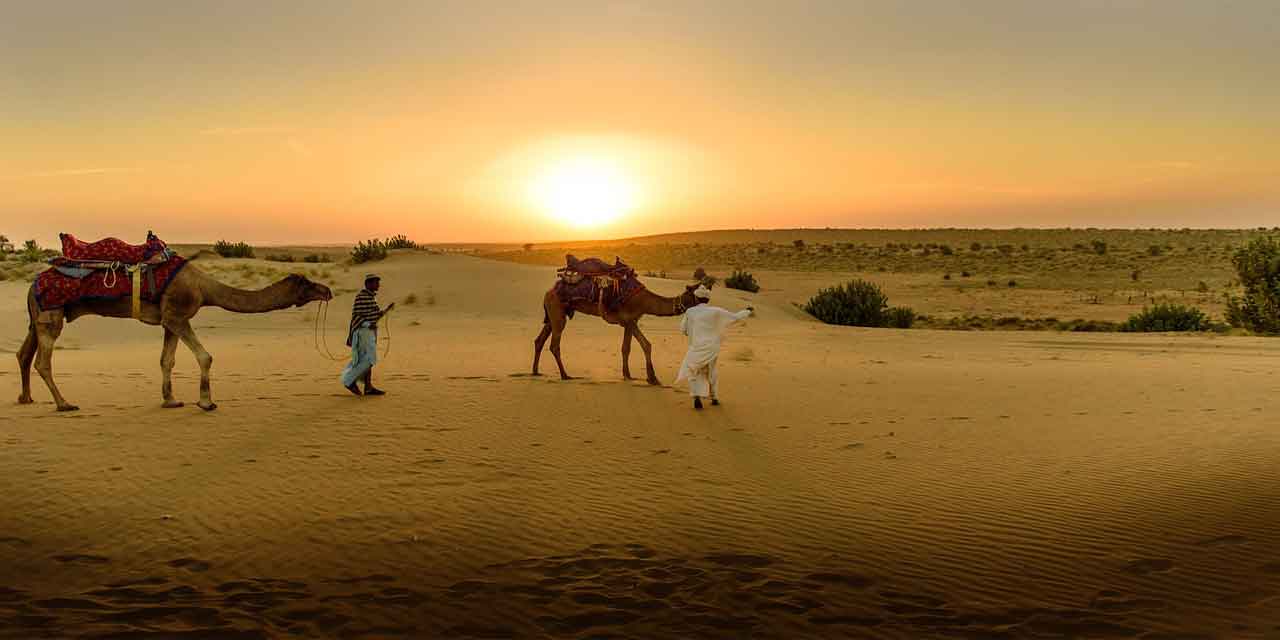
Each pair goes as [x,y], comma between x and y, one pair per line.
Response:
[584,191]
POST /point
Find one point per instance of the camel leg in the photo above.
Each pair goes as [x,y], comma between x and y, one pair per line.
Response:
[626,352]
[648,352]
[557,330]
[188,336]
[537,345]
[46,335]
[26,354]
[167,359]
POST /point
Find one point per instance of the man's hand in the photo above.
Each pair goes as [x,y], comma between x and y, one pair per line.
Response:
[389,308]
[752,310]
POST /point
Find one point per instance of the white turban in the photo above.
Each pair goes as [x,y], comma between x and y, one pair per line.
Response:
[702,293]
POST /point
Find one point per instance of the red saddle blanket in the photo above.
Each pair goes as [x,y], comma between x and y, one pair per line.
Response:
[112,249]
[598,267]
[55,289]
[591,290]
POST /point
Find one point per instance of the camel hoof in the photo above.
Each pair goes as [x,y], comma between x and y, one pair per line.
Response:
[173,404]
[207,407]
[25,400]
[655,382]
[567,377]
[68,407]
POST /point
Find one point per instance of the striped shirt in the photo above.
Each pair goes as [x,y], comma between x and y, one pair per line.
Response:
[364,309]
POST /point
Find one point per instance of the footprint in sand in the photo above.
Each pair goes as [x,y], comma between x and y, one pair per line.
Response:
[1148,565]
[78,558]
[190,564]
[1223,541]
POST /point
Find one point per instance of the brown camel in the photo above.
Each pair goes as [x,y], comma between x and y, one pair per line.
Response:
[628,316]
[190,290]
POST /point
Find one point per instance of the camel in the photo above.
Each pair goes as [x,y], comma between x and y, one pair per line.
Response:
[628,316]
[189,290]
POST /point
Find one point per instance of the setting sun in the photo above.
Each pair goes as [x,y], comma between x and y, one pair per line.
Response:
[584,191]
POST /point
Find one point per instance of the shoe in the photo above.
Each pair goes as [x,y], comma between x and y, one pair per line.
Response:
[715,402]
[371,391]
[354,389]
[697,403]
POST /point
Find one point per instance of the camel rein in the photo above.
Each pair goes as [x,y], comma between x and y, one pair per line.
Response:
[322,344]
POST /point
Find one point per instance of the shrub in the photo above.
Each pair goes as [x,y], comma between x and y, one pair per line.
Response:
[1013,283]
[965,274]
[230,250]
[400,242]
[31,252]
[1202,287]
[975,247]
[1099,247]
[946,276]
[991,282]
[946,250]
[857,303]
[411,299]
[280,257]
[1006,249]
[1155,250]
[798,243]
[1135,274]
[900,317]
[742,281]
[528,246]
[710,282]
[1167,317]
[316,257]
[370,251]
[1258,267]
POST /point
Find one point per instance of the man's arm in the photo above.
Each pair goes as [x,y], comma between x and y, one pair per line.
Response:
[684,324]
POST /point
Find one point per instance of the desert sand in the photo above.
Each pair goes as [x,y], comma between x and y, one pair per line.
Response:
[856,483]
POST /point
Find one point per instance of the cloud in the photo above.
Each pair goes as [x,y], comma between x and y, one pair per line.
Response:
[71,172]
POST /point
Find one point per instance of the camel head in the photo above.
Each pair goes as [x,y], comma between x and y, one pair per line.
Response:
[687,299]
[305,291]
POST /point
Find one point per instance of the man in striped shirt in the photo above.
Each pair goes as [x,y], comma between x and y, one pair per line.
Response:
[362,337]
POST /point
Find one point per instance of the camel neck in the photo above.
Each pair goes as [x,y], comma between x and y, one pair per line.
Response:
[656,305]
[274,297]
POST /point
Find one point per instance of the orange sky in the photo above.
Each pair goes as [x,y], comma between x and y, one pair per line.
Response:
[279,122]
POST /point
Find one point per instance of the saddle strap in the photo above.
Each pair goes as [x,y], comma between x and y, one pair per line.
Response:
[137,292]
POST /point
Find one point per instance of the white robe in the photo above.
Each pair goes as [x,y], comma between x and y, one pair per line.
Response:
[705,325]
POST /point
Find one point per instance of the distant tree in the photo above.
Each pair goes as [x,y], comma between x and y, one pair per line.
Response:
[528,246]
[1258,267]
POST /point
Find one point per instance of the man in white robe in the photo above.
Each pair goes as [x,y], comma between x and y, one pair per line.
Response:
[705,325]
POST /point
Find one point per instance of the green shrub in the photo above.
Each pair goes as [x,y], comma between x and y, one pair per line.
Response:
[1099,247]
[1167,317]
[975,247]
[370,251]
[317,257]
[280,257]
[400,242]
[1258,267]
[946,250]
[742,281]
[1155,250]
[900,317]
[857,303]
[799,244]
[230,250]
[31,252]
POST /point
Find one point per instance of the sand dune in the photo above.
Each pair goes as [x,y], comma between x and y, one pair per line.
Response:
[856,483]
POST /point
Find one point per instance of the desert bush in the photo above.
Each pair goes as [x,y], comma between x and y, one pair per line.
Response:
[1202,287]
[742,281]
[528,246]
[991,282]
[946,276]
[400,242]
[857,303]
[965,274]
[975,247]
[1006,249]
[233,250]
[280,257]
[1155,250]
[1258,266]
[370,251]
[1167,317]
[1013,283]
[30,252]
[316,257]
[709,282]
[1099,247]
[411,300]
[798,243]
[900,317]
[1135,275]
[946,250]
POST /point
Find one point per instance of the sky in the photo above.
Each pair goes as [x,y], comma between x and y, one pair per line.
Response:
[324,121]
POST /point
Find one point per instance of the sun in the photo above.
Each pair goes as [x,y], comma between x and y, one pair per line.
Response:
[583,191]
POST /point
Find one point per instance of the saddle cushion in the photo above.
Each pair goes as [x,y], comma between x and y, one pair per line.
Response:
[112,249]
[590,290]
[598,267]
[54,289]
